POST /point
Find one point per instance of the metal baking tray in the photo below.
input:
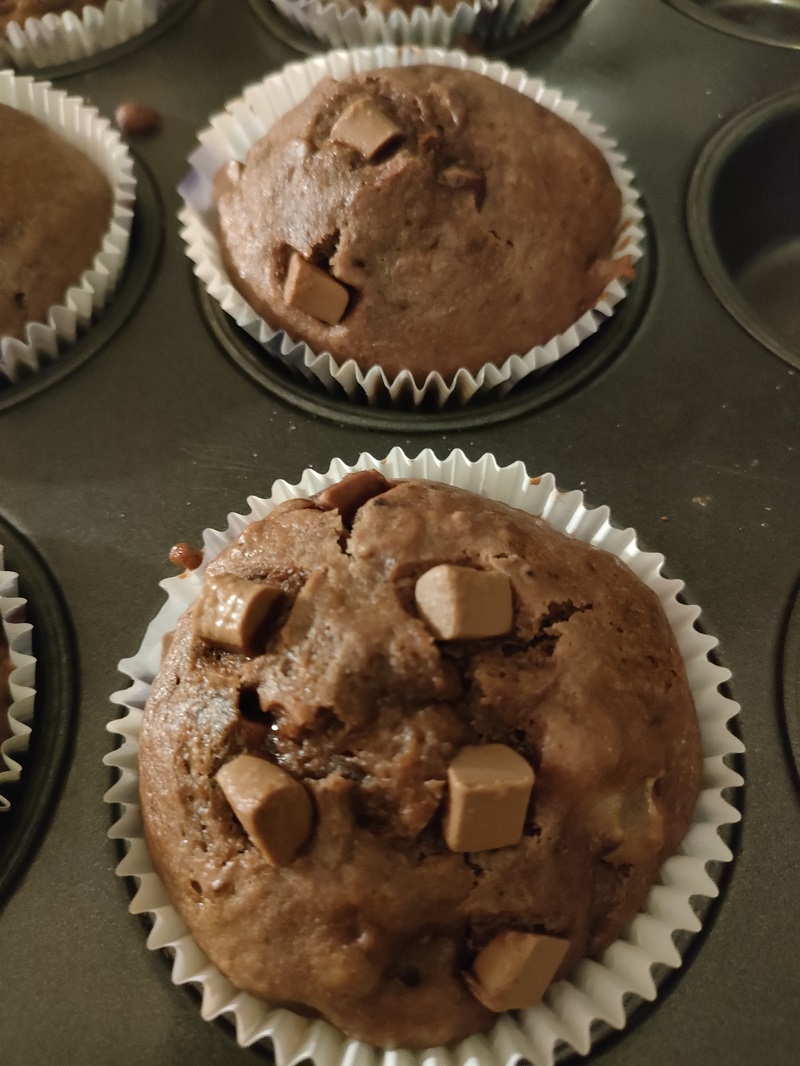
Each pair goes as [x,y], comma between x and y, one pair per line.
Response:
[681,414]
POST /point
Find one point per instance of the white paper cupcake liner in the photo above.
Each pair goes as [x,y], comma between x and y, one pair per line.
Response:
[63,38]
[596,990]
[83,127]
[245,120]
[21,680]
[481,21]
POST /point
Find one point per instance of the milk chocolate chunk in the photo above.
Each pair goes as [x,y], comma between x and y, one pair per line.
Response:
[489,789]
[364,127]
[513,970]
[275,810]
[231,611]
[638,826]
[459,603]
[312,291]
[351,493]
[462,176]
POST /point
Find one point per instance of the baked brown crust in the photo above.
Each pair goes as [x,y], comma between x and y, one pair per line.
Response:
[443,272]
[373,924]
[55,207]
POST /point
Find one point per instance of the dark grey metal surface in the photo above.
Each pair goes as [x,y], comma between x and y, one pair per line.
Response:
[775,22]
[689,434]
[744,221]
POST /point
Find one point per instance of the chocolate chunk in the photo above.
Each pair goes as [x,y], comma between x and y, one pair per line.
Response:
[513,970]
[364,127]
[489,789]
[462,176]
[230,612]
[637,824]
[183,554]
[275,810]
[312,291]
[136,120]
[351,493]
[459,603]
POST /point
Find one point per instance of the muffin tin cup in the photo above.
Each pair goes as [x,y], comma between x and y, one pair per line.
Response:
[245,120]
[21,680]
[482,22]
[64,38]
[599,990]
[83,127]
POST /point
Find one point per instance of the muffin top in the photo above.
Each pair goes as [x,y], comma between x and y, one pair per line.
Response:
[55,207]
[420,218]
[361,694]
[19,10]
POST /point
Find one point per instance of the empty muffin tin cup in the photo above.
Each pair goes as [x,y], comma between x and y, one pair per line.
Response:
[599,990]
[64,38]
[354,25]
[244,121]
[766,21]
[21,680]
[744,221]
[83,127]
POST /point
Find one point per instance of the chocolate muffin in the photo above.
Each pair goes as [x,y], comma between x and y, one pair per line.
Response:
[19,10]
[411,755]
[421,218]
[55,207]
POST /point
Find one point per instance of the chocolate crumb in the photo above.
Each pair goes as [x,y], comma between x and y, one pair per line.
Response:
[185,555]
[137,120]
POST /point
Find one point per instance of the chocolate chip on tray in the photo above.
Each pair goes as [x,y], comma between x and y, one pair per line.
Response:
[137,120]
[183,554]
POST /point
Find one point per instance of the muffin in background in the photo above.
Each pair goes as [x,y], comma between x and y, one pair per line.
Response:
[392,220]
[55,208]
[44,33]
[471,24]
[67,192]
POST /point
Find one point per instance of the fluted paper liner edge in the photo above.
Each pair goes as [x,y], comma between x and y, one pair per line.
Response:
[597,989]
[21,680]
[482,21]
[64,38]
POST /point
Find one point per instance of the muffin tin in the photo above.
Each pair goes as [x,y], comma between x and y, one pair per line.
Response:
[679,419]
